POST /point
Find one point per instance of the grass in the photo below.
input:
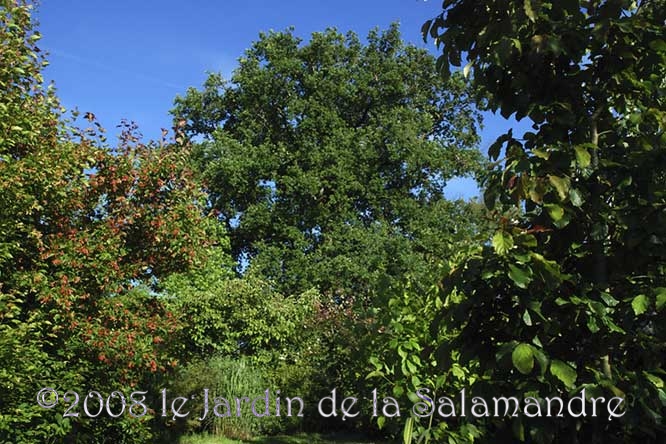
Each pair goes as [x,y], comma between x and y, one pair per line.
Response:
[286,439]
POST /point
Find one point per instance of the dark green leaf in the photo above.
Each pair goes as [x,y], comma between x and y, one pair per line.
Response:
[575,197]
[519,276]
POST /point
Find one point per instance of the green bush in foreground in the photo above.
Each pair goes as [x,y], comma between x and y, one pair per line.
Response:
[570,295]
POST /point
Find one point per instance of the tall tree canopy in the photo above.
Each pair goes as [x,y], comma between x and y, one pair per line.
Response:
[327,160]
[571,295]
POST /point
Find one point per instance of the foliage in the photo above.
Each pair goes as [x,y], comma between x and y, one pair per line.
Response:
[238,317]
[228,378]
[327,161]
[405,357]
[301,438]
[295,343]
[85,231]
[570,295]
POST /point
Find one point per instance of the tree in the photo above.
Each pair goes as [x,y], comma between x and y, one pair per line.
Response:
[570,295]
[327,160]
[86,230]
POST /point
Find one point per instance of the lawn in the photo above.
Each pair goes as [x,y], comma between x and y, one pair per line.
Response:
[287,439]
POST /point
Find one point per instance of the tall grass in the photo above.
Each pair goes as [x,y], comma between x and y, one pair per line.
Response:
[228,378]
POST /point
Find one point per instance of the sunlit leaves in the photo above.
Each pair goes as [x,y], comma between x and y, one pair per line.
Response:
[588,181]
[661,298]
[85,230]
[640,304]
[583,156]
[563,372]
[530,6]
[523,358]
[502,242]
[331,156]
[561,184]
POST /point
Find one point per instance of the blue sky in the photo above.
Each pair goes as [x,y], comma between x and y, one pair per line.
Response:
[129,59]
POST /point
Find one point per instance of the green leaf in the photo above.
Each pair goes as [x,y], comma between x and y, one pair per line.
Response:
[556,212]
[502,242]
[542,360]
[640,304]
[662,397]
[408,432]
[504,350]
[658,45]
[599,231]
[517,45]
[442,67]
[564,221]
[583,157]
[561,184]
[657,381]
[523,358]
[519,276]
[374,374]
[609,300]
[542,154]
[496,146]
[527,319]
[661,298]
[613,388]
[564,372]
[494,150]
[560,302]
[424,33]
[467,69]
[529,10]
[575,197]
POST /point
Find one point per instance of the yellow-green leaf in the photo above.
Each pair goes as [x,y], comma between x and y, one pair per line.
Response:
[556,212]
[582,156]
[661,298]
[657,381]
[564,372]
[529,10]
[561,184]
[527,319]
[408,432]
[575,197]
[640,304]
[523,358]
[502,242]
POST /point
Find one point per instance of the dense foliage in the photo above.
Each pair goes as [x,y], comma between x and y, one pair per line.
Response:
[85,231]
[294,234]
[327,160]
[569,295]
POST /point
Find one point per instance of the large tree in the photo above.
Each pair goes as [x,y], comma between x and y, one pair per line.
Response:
[571,295]
[327,161]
